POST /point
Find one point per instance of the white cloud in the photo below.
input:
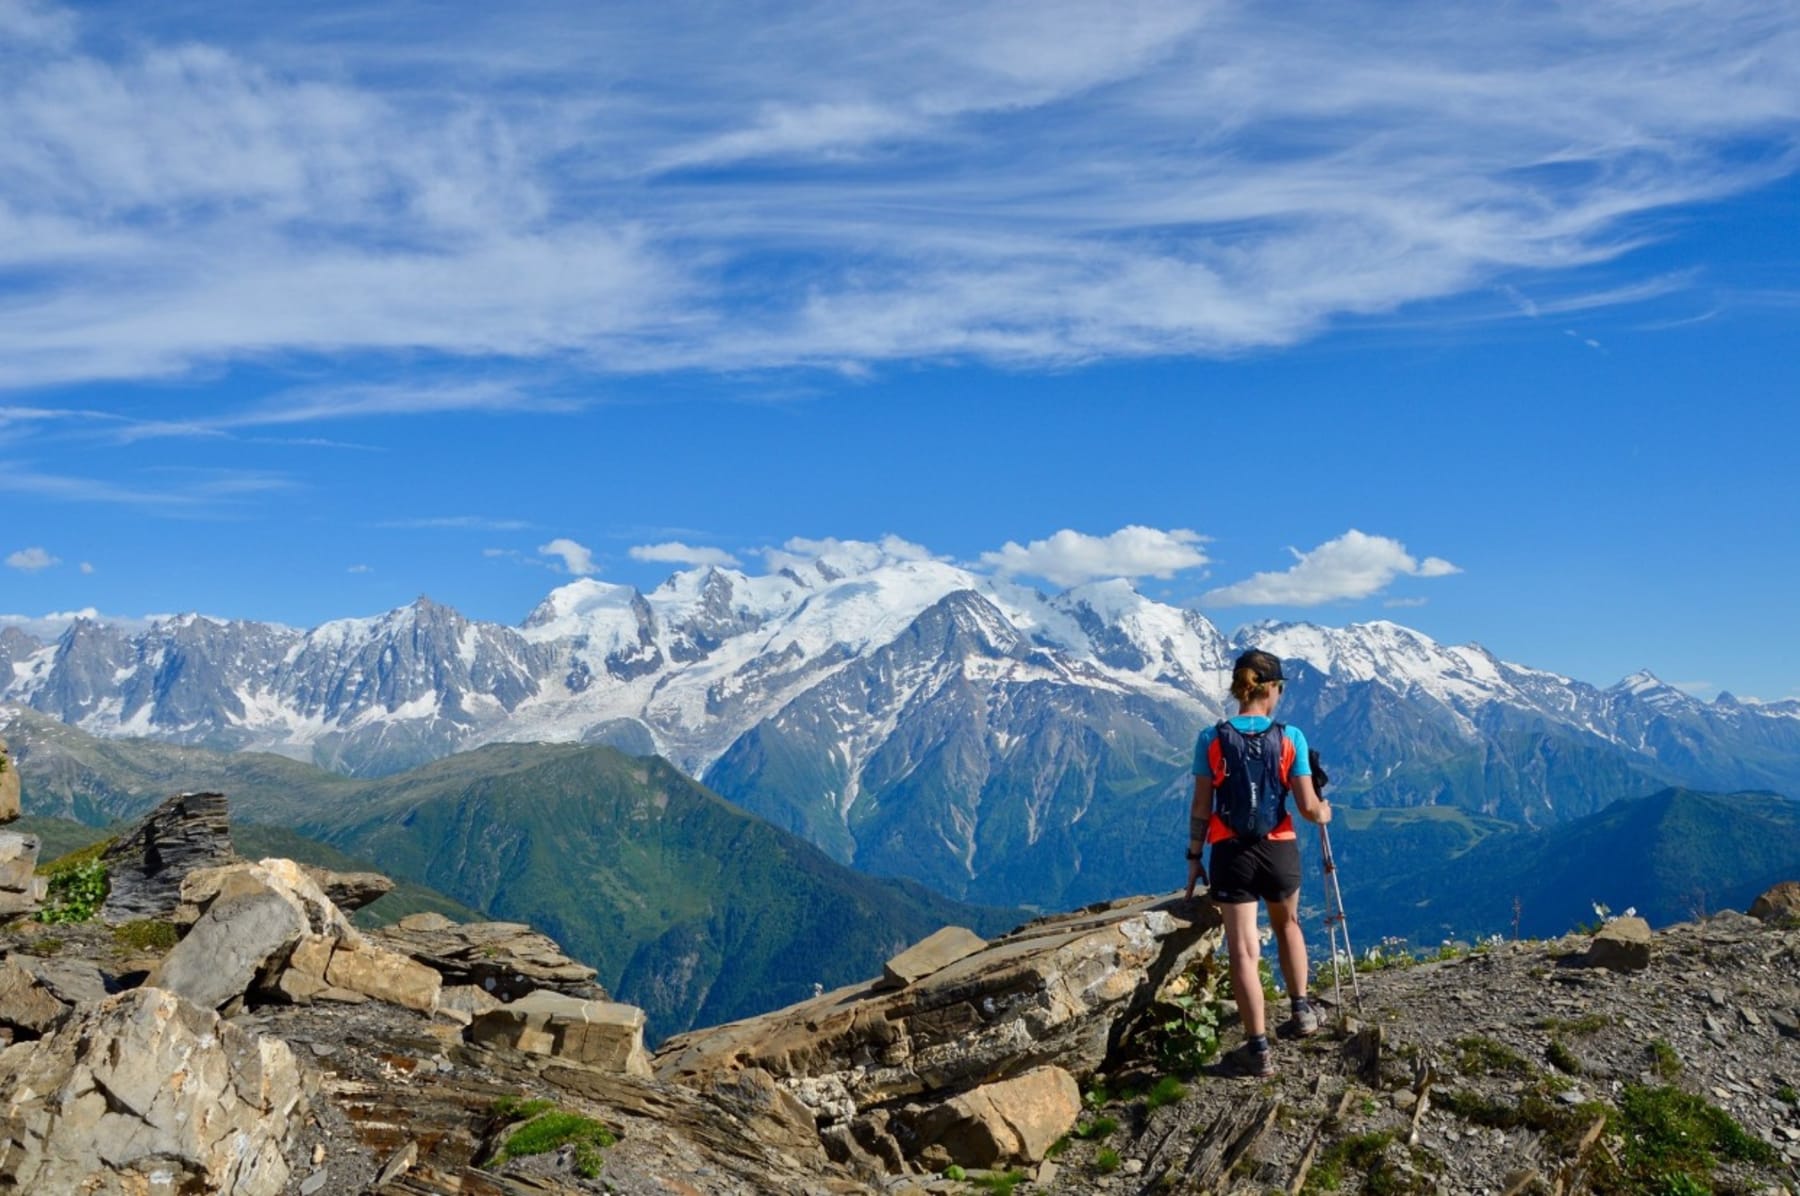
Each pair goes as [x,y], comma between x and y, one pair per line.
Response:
[677,553]
[31,560]
[87,567]
[1070,557]
[953,179]
[361,569]
[844,556]
[1355,565]
[47,627]
[1401,603]
[575,558]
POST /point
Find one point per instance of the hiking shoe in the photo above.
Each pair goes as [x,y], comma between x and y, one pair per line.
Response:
[1246,1060]
[1304,1023]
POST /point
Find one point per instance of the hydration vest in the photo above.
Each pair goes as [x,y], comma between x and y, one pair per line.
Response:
[1251,799]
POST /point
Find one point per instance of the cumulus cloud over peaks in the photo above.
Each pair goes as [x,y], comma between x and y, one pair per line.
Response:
[676,553]
[627,188]
[31,560]
[1355,565]
[575,558]
[1069,557]
[844,556]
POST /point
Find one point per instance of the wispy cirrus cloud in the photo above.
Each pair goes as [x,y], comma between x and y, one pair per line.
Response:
[1354,565]
[482,523]
[841,185]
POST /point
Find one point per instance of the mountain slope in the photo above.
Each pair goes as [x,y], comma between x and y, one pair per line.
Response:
[1671,856]
[686,904]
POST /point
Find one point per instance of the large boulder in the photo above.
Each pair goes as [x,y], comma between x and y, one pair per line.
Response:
[37,995]
[1057,992]
[150,1095]
[350,891]
[1779,904]
[931,954]
[147,864]
[1622,945]
[1009,1121]
[267,929]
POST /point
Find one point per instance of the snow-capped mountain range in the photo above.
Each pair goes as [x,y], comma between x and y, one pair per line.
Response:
[909,715]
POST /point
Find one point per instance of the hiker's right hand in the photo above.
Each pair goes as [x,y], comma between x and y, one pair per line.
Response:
[1195,873]
[1323,812]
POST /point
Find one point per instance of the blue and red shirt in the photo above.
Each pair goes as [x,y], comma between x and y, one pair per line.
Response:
[1209,763]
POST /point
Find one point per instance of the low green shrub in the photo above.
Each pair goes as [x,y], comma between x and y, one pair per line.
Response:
[1106,1160]
[76,892]
[1097,1129]
[1478,1055]
[1674,1137]
[1166,1091]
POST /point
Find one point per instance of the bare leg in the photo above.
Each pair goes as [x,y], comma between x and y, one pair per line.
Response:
[1290,942]
[1242,947]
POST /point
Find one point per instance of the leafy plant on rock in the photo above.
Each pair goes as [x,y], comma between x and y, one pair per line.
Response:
[75,892]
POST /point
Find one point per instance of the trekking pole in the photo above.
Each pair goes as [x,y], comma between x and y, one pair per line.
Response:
[1336,922]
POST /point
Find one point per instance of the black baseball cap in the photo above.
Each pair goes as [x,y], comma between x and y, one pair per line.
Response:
[1264,665]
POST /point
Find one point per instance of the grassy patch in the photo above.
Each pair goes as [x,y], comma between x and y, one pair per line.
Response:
[75,859]
[1478,1055]
[1106,1160]
[1674,1140]
[1097,1129]
[548,1128]
[1663,1057]
[1592,1023]
[1562,1058]
[1787,1093]
[1562,1125]
[1365,1163]
[1002,1182]
[43,946]
[1165,1091]
[147,934]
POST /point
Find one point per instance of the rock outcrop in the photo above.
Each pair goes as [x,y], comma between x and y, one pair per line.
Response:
[505,959]
[21,889]
[1622,945]
[9,785]
[1779,904]
[148,1094]
[146,865]
[602,1034]
[869,1061]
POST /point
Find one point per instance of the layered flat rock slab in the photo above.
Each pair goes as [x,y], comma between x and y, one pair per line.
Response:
[931,954]
[350,891]
[505,959]
[1050,992]
[148,1093]
[146,865]
[602,1034]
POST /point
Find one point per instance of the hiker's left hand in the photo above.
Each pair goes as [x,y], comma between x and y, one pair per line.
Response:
[1195,873]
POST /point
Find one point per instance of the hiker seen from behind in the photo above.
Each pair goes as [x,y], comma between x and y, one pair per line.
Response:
[1245,768]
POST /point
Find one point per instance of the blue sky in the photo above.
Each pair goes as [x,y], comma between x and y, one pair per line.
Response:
[1484,326]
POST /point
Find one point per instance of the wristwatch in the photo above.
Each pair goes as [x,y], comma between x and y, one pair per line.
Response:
[1193,855]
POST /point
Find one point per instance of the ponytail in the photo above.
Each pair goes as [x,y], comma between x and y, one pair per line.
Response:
[1247,688]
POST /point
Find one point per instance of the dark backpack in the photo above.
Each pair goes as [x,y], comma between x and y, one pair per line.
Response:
[1252,799]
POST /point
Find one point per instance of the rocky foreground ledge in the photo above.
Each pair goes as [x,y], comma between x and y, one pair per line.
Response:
[244,1037]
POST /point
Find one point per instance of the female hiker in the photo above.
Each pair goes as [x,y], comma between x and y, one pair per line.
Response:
[1244,768]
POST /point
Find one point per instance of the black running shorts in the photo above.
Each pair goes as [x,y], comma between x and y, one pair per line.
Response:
[1265,871]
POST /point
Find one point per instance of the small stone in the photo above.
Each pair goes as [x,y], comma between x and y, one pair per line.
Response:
[1404,1098]
[1570,1097]
[398,1164]
[1133,1167]
[322,1049]
[314,1183]
[318,1155]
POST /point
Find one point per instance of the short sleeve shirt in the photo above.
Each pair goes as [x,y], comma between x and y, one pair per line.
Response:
[1208,764]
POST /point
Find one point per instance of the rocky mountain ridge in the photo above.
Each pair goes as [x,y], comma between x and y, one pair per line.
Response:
[907,716]
[1058,1058]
